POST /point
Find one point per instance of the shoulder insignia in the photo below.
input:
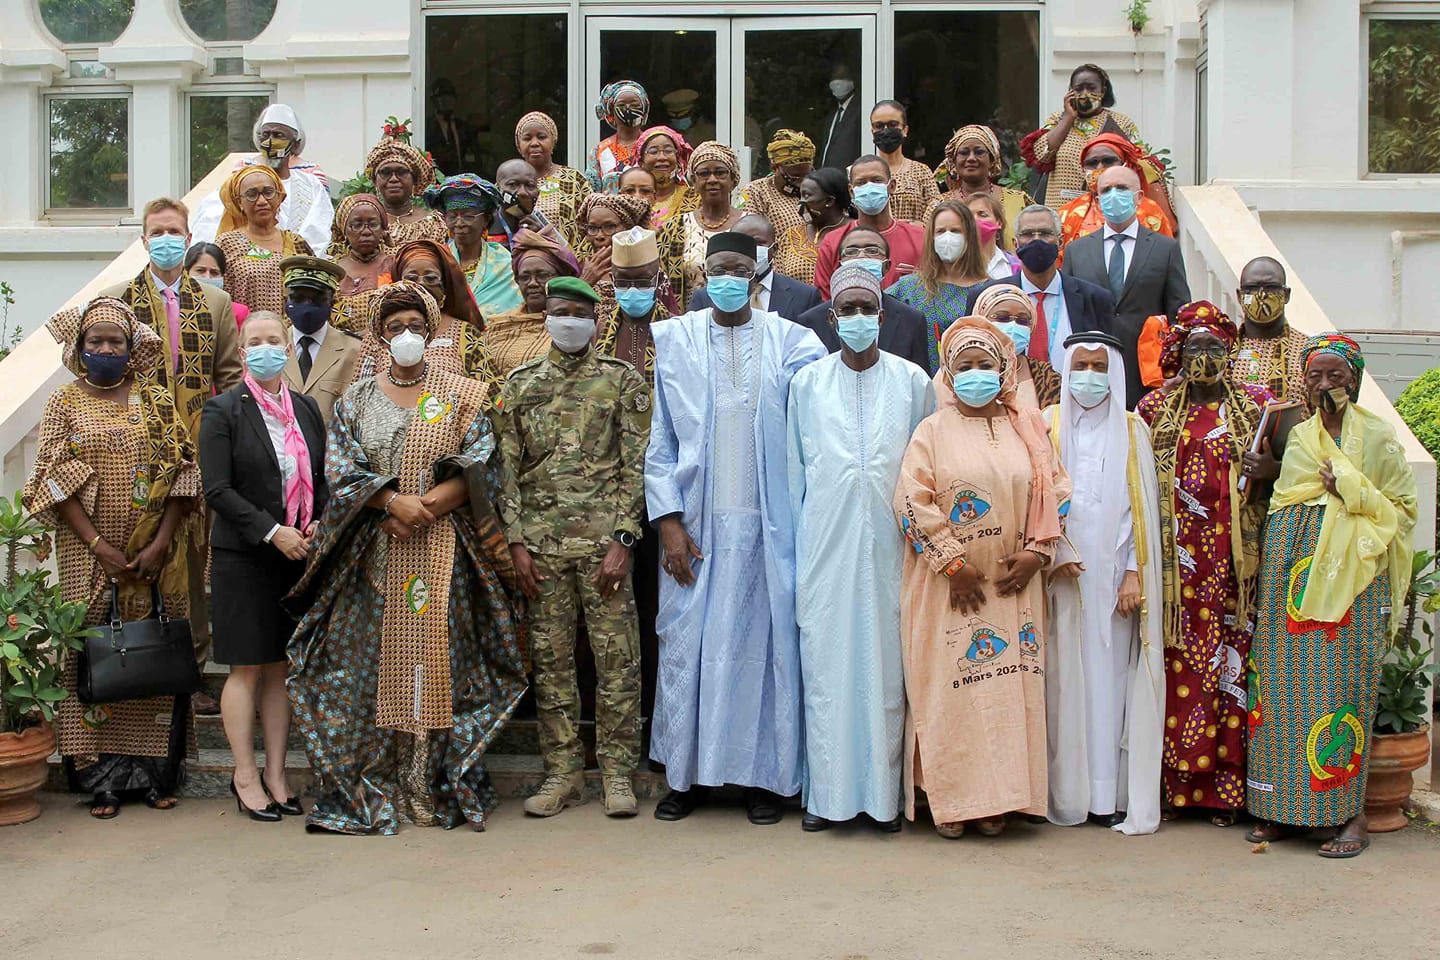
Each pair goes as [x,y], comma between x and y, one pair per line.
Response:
[354,335]
[642,401]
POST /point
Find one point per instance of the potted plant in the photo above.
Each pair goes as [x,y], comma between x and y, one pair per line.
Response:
[1401,729]
[38,626]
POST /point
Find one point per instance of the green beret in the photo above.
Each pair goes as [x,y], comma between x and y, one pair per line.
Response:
[571,288]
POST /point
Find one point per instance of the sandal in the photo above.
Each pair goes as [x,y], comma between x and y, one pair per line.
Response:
[990,826]
[1357,845]
[951,831]
[1282,831]
[155,800]
[1225,818]
[105,801]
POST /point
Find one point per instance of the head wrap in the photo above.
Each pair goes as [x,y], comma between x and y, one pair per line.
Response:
[682,149]
[1006,293]
[459,301]
[282,114]
[390,149]
[545,121]
[610,93]
[1129,153]
[387,293]
[1197,315]
[464,191]
[311,272]
[343,211]
[571,288]
[1107,96]
[1343,347]
[1091,339]
[545,242]
[1042,522]
[712,150]
[790,146]
[68,327]
[974,133]
[732,241]
[852,276]
[632,211]
[234,217]
[635,247]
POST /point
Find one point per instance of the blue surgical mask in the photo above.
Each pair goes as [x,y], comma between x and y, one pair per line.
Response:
[975,388]
[1118,205]
[217,282]
[307,317]
[876,267]
[871,198]
[167,251]
[104,369]
[265,360]
[1018,332]
[729,294]
[635,301]
[859,332]
[1089,387]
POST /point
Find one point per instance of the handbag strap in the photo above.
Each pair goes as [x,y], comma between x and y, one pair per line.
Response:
[157,602]
[114,605]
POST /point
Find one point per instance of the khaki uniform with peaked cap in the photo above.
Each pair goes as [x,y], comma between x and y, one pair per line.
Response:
[335,358]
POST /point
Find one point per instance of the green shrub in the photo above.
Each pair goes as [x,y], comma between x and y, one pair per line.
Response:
[1419,407]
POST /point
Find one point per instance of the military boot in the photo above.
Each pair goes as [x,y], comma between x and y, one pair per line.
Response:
[619,797]
[556,793]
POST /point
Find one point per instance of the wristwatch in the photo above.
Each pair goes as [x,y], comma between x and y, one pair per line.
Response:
[625,538]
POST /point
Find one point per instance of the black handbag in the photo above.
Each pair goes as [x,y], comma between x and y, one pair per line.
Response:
[154,657]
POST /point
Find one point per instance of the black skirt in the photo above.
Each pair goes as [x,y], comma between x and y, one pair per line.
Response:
[246,587]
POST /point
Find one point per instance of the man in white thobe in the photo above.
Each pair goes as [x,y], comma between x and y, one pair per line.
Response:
[1105,686]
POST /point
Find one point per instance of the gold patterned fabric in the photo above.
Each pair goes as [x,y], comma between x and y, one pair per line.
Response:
[428,227]
[774,204]
[1067,179]
[639,348]
[194,382]
[912,191]
[252,272]
[1277,364]
[516,338]
[796,252]
[561,195]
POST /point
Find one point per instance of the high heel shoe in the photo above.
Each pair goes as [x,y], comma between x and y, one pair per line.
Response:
[270,814]
[290,808]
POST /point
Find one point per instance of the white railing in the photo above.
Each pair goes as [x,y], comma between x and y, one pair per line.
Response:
[32,371]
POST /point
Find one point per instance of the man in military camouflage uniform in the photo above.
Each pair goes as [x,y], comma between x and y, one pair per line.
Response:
[573,434]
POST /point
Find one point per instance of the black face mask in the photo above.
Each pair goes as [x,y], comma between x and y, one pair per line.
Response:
[789,186]
[888,139]
[1038,255]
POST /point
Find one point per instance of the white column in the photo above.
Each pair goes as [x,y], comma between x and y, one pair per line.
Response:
[1251,88]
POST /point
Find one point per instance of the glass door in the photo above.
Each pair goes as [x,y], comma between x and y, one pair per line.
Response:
[680,65]
[815,74]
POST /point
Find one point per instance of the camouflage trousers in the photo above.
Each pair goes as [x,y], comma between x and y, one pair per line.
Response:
[614,635]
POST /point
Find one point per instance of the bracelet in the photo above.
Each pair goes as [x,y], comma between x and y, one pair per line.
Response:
[92,543]
[955,567]
[386,505]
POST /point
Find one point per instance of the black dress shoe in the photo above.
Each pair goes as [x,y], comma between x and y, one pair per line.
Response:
[889,826]
[679,804]
[270,813]
[290,807]
[810,823]
[763,807]
[1107,820]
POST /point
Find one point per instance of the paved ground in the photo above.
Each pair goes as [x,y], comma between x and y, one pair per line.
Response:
[199,883]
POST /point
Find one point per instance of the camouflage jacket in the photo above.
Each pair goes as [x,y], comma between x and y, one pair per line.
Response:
[573,433]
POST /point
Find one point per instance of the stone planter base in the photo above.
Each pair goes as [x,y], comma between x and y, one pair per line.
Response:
[1394,758]
[23,769]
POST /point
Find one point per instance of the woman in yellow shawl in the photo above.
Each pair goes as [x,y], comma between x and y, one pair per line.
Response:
[252,240]
[1340,523]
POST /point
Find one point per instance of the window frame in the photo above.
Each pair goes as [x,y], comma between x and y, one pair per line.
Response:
[88,90]
[1424,10]
[213,87]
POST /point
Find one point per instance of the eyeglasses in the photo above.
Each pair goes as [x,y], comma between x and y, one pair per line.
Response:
[255,193]
[1101,162]
[465,216]
[663,149]
[1045,234]
[744,273]
[392,173]
[1021,319]
[855,310]
[870,250]
[602,229]
[1217,350]
[371,225]
[414,326]
[979,153]
[1262,288]
[886,125]
[642,284]
[424,279]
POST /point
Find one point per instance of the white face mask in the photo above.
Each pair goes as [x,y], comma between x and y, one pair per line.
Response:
[840,89]
[570,334]
[949,246]
[407,348]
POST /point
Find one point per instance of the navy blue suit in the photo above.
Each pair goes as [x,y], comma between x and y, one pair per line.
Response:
[902,333]
[788,297]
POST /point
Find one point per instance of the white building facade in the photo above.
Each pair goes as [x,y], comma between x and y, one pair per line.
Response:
[110,103]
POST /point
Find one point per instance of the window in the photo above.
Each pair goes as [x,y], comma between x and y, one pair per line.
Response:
[89,152]
[220,21]
[221,124]
[1404,96]
[958,67]
[482,74]
[86,21]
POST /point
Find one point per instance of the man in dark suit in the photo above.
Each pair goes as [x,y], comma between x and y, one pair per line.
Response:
[902,331]
[324,357]
[777,293]
[1142,269]
[840,135]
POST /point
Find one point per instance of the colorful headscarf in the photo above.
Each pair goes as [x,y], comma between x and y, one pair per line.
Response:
[1003,293]
[387,293]
[459,301]
[682,149]
[1196,315]
[790,146]
[1343,347]
[338,246]
[610,93]
[464,191]
[974,133]
[544,119]
[713,150]
[68,327]
[234,217]
[545,242]
[632,211]
[1129,153]
[389,149]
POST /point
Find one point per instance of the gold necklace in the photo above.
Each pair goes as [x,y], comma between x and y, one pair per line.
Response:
[712,227]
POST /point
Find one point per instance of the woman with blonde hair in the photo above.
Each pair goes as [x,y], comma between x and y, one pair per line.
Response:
[952,269]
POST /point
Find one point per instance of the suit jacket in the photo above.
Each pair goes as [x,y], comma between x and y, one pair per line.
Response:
[1155,284]
[330,374]
[840,150]
[1087,306]
[902,333]
[788,297]
[239,471]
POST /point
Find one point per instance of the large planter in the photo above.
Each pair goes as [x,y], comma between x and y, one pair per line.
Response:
[1394,758]
[23,768]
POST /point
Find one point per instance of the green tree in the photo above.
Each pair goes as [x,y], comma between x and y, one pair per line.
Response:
[89,152]
[227,19]
[86,21]
[1404,96]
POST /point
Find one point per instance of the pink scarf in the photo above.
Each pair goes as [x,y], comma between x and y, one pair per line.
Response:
[299,489]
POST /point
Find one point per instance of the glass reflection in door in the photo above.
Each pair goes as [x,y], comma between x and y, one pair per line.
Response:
[677,69]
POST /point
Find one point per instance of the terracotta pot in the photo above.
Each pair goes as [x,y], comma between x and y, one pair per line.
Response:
[1394,758]
[23,768]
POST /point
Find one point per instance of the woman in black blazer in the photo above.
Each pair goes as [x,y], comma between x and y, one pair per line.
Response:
[262,460]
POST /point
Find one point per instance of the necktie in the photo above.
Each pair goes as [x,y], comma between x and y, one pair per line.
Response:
[1040,333]
[1117,265]
[755,300]
[305,361]
[172,323]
